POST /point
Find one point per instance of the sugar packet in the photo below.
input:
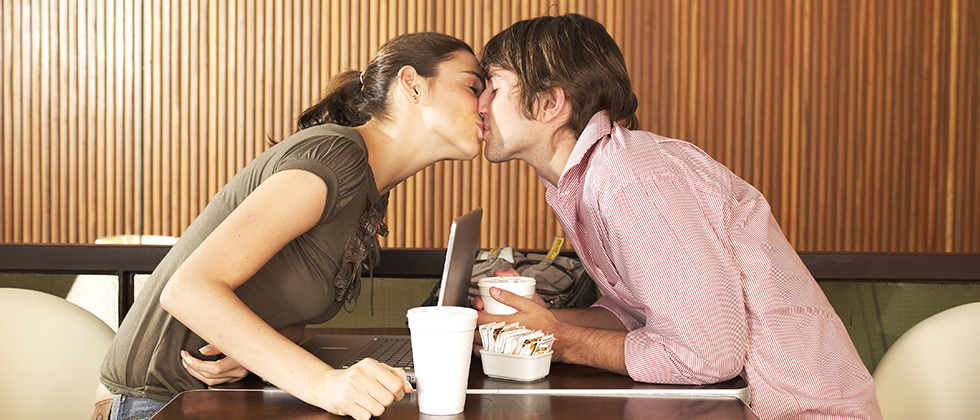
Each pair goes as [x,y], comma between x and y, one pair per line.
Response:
[499,337]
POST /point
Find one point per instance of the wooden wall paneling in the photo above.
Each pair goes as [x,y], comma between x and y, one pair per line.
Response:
[169,119]
[111,201]
[892,123]
[87,120]
[73,125]
[793,134]
[820,220]
[968,220]
[59,125]
[934,202]
[971,125]
[6,141]
[101,120]
[31,128]
[41,121]
[843,174]
[227,69]
[887,75]
[950,186]
[854,119]
[910,124]
[183,168]
[896,124]
[871,135]
[233,62]
[123,161]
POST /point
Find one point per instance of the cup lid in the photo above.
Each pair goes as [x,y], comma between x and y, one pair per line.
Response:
[442,318]
[505,280]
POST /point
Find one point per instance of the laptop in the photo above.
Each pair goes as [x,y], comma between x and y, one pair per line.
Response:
[342,351]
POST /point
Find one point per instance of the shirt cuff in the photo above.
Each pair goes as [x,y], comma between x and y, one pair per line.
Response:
[611,305]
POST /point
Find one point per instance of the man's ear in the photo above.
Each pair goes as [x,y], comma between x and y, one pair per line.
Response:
[553,106]
[408,83]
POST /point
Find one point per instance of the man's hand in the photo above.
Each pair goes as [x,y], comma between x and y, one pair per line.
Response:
[478,300]
[601,348]
[531,313]
[363,390]
[221,371]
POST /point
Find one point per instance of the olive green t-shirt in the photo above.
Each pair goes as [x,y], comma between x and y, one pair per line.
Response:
[295,286]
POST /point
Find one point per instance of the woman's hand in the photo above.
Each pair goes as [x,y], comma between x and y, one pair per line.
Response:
[363,390]
[221,371]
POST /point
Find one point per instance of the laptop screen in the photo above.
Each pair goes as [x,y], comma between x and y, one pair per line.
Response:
[464,236]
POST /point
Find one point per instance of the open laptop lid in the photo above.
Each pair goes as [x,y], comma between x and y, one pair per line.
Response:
[464,236]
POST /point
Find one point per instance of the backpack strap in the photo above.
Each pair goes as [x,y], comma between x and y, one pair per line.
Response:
[555,249]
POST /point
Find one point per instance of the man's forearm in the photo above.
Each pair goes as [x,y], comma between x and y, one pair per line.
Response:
[587,336]
[599,348]
[595,317]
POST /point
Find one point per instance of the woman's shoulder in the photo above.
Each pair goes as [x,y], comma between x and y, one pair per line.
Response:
[326,134]
[328,144]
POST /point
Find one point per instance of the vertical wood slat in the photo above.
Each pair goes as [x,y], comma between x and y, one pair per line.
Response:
[854,119]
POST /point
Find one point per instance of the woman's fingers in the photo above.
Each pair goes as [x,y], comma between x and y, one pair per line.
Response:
[213,373]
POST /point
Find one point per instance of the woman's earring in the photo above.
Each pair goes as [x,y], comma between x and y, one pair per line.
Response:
[415,97]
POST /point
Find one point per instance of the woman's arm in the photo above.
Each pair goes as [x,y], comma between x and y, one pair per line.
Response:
[201,295]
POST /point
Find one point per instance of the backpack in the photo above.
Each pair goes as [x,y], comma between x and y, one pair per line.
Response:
[560,280]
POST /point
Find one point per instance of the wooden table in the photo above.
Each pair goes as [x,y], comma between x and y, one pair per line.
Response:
[558,396]
[277,404]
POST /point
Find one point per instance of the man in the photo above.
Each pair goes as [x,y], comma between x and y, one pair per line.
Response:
[698,282]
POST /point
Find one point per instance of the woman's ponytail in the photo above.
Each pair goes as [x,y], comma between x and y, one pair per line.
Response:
[341,104]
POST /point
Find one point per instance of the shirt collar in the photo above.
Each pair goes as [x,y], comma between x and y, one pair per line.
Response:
[598,128]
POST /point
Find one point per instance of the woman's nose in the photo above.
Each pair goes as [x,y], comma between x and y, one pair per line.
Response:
[484,104]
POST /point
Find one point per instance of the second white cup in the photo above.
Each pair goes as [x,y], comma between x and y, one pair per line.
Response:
[523,286]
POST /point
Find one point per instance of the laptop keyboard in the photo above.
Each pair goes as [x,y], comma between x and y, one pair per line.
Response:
[393,351]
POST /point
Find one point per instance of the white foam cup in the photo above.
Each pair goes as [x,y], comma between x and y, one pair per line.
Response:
[523,286]
[442,341]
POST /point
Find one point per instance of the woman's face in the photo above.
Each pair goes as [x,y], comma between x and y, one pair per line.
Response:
[450,109]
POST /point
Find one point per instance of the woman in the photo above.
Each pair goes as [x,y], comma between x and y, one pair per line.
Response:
[283,244]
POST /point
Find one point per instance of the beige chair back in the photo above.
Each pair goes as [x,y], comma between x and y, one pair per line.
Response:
[50,357]
[933,370]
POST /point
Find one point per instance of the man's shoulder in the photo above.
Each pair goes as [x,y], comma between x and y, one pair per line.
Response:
[644,155]
[632,153]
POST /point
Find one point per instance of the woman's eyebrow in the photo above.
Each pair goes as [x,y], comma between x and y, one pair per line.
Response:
[478,77]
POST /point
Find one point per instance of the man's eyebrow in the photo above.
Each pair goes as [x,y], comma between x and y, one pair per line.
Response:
[493,74]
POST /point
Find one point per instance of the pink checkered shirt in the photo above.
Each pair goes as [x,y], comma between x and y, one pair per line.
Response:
[691,260]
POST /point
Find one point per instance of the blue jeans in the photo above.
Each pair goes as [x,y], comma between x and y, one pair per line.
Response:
[125,407]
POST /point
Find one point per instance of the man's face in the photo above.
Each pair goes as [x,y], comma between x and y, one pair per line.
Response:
[508,134]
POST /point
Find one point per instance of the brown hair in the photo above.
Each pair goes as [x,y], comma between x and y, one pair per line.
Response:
[572,52]
[354,97]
